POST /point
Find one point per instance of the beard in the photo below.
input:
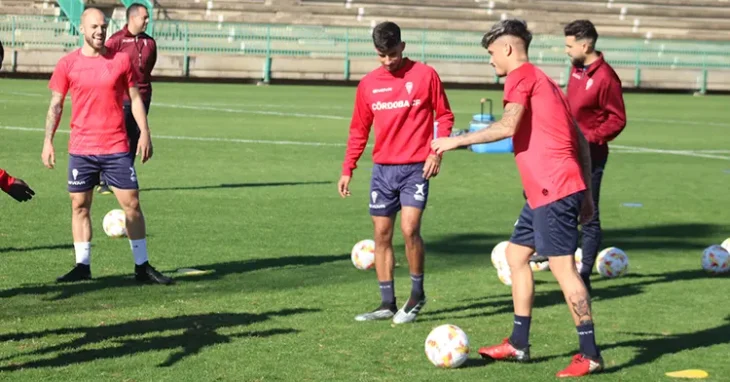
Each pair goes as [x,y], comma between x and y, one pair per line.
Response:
[578,62]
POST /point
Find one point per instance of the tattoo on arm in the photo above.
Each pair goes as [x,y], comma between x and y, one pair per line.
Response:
[582,308]
[55,110]
[504,128]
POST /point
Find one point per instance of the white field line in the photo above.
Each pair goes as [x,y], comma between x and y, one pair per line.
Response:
[621,148]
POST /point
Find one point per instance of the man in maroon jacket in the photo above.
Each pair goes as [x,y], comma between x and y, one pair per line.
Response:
[142,51]
[596,102]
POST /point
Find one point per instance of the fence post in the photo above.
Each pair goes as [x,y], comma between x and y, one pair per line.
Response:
[186,53]
[423,46]
[637,77]
[12,39]
[267,62]
[347,54]
[703,83]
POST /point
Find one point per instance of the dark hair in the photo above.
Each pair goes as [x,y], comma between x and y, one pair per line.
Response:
[134,8]
[509,27]
[582,30]
[386,36]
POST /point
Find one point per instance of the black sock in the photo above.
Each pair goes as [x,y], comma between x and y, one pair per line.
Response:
[520,332]
[586,277]
[387,292]
[417,286]
[587,340]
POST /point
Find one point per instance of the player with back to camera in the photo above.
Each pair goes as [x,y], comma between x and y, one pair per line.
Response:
[596,102]
[399,99]
[142,51]
[554,163]
[97,79]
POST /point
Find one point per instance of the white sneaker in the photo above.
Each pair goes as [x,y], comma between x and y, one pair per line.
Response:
[382,313]
[405,316]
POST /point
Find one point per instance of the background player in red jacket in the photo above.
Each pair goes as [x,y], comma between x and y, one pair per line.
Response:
[596,102]
[554,163]
[97,79]
[400,99]
[16,188]
[142,51]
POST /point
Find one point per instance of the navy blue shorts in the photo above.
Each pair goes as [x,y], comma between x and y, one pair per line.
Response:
[84,171]
[395,185]
[552,229]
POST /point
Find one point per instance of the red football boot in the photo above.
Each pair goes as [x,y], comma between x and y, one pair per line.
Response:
[580,366]
[505,350]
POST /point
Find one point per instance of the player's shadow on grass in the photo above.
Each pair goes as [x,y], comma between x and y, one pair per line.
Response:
[190,335]
[502,304]
[36,248]
[664,237]
[219,271]
[235,185]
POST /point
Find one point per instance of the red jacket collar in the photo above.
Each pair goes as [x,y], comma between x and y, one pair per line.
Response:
[595,64]
[127,33]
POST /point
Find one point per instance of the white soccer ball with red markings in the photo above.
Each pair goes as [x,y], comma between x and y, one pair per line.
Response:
[447,346]
[539,266]
[114,223]
[726,244]
[578,259]
[612,262]
[505,276]
[715,259]
[363,254]
[499,255]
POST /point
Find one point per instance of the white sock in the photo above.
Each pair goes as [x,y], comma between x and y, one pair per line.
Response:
[83,253]
[139,250]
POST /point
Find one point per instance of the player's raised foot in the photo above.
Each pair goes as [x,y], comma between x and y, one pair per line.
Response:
[146,273]
[581,365]
[410,310]
[505,351]
[384,312]
[103,189]
[80,272]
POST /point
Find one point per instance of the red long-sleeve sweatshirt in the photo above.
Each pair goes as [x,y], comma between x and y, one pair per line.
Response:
[401,106]
[5,180]
[597,104]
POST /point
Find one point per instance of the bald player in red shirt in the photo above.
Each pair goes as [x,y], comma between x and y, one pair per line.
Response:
[554,163]
[142,51]
[400,99]
[596,101]
[97,79]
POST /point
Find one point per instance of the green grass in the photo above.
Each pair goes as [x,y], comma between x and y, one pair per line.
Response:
[267,219]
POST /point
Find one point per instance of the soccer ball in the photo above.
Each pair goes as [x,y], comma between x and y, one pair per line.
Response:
[499,255]
[447,346]
[505,276]
[363,254]
[726,244]
[114,223]
[539,266]
[612,262]
[578,259]
[715,259]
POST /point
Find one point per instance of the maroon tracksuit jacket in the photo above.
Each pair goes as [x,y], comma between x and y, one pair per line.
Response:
[142,51]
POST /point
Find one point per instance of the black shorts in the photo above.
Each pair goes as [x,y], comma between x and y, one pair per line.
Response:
[552,229]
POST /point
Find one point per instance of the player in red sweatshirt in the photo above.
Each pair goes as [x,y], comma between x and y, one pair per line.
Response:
[596,102]
[399,98]
[16,188]
[553,160]
[142,51]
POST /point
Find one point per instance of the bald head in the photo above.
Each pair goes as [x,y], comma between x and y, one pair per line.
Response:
[93,28]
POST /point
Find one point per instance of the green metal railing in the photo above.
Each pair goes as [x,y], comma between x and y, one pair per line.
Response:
[191,38]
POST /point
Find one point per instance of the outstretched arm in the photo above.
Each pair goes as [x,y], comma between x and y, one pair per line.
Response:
[53,118]
[504,128]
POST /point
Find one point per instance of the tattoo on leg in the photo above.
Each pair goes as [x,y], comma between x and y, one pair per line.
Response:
[581,307]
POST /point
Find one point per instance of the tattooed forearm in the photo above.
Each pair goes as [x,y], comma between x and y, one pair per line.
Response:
[581,307]
[504,128]
[55,110]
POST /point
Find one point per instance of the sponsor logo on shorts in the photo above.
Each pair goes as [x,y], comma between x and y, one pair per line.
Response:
[374,197]
[132,177]
[75,174]
[420,194]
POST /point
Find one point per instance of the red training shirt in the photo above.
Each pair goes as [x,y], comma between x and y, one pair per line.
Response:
[142,51]
[401,105]
[97,85]
[596,101]
[546,141]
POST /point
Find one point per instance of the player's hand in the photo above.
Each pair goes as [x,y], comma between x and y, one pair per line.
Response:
[144,147]
[441,145]
[587,209]
[48,155]
[343,186]
[432,166]
[20,191]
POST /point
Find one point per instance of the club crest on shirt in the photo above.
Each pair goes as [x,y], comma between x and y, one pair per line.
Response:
[409,86]
[589,83]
